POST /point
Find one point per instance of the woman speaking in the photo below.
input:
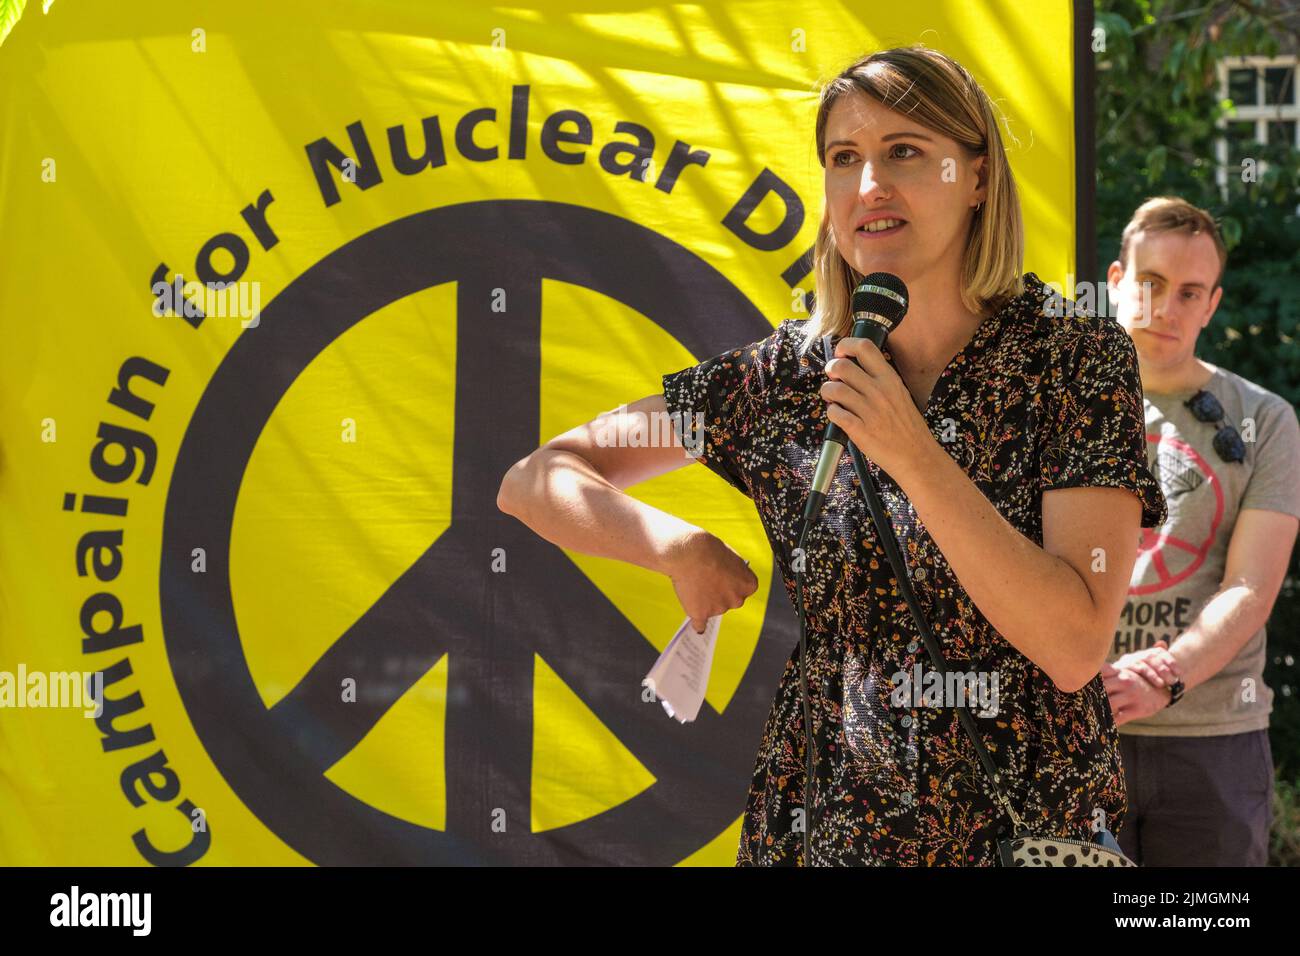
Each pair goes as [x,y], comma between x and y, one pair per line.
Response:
[1007,442]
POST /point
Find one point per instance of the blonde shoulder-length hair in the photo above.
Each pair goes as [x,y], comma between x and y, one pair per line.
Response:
[938,93]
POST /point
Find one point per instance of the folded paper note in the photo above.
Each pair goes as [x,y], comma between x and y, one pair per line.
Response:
[681,675]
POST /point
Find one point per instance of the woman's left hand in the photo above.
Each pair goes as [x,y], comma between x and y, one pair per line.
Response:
[874,407]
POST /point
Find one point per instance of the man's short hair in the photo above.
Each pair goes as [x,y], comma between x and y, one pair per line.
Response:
[1170,213]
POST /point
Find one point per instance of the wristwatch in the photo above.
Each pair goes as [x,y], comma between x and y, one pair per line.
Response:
[1175,692]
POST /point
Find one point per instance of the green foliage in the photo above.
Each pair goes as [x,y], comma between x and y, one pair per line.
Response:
[10,11]
[1284,841]
[1158,102]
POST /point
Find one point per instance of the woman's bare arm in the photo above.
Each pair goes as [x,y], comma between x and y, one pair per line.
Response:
[1056,603]
[570,492]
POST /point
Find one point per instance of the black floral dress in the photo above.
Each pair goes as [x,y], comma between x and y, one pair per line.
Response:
[1032,402]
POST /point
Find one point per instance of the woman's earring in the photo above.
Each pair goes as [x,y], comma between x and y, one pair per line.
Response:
[979,205]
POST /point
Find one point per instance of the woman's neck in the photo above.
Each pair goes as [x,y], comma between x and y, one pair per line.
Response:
[935,329]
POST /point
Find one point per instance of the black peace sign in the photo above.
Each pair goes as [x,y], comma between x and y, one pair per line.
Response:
[448,601]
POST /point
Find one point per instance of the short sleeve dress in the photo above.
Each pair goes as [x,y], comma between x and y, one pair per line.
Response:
[1039,398]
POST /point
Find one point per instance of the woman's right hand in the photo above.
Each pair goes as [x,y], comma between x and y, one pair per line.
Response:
[710,578]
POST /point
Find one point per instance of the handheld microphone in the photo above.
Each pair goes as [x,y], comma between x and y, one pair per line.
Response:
[879,304]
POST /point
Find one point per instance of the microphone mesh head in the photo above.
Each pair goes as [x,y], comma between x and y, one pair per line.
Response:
[881,294]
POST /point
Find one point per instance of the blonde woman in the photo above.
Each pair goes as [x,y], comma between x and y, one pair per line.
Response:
[1008,444]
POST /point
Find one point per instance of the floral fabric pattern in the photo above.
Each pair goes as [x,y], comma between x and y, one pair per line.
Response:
[1035,401]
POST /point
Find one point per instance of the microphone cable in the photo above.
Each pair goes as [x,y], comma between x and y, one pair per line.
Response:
[809,762]
[878,305]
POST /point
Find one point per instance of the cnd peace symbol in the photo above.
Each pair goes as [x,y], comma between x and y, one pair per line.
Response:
[448,602]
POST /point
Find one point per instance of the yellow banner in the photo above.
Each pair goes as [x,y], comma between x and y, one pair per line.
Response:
[263,516]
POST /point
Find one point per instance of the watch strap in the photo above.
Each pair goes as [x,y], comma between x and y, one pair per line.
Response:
[1175,693]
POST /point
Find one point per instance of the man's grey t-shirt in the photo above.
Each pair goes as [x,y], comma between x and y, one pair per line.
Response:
[1181,565]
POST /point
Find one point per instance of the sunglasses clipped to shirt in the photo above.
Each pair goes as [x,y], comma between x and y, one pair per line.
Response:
[1227,443]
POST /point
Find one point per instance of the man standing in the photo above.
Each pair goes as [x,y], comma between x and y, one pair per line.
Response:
[1184,676]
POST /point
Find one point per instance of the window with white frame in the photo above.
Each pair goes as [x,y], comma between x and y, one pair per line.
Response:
[1265,109]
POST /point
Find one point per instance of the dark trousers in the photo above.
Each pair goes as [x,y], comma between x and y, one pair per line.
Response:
[1197,801]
